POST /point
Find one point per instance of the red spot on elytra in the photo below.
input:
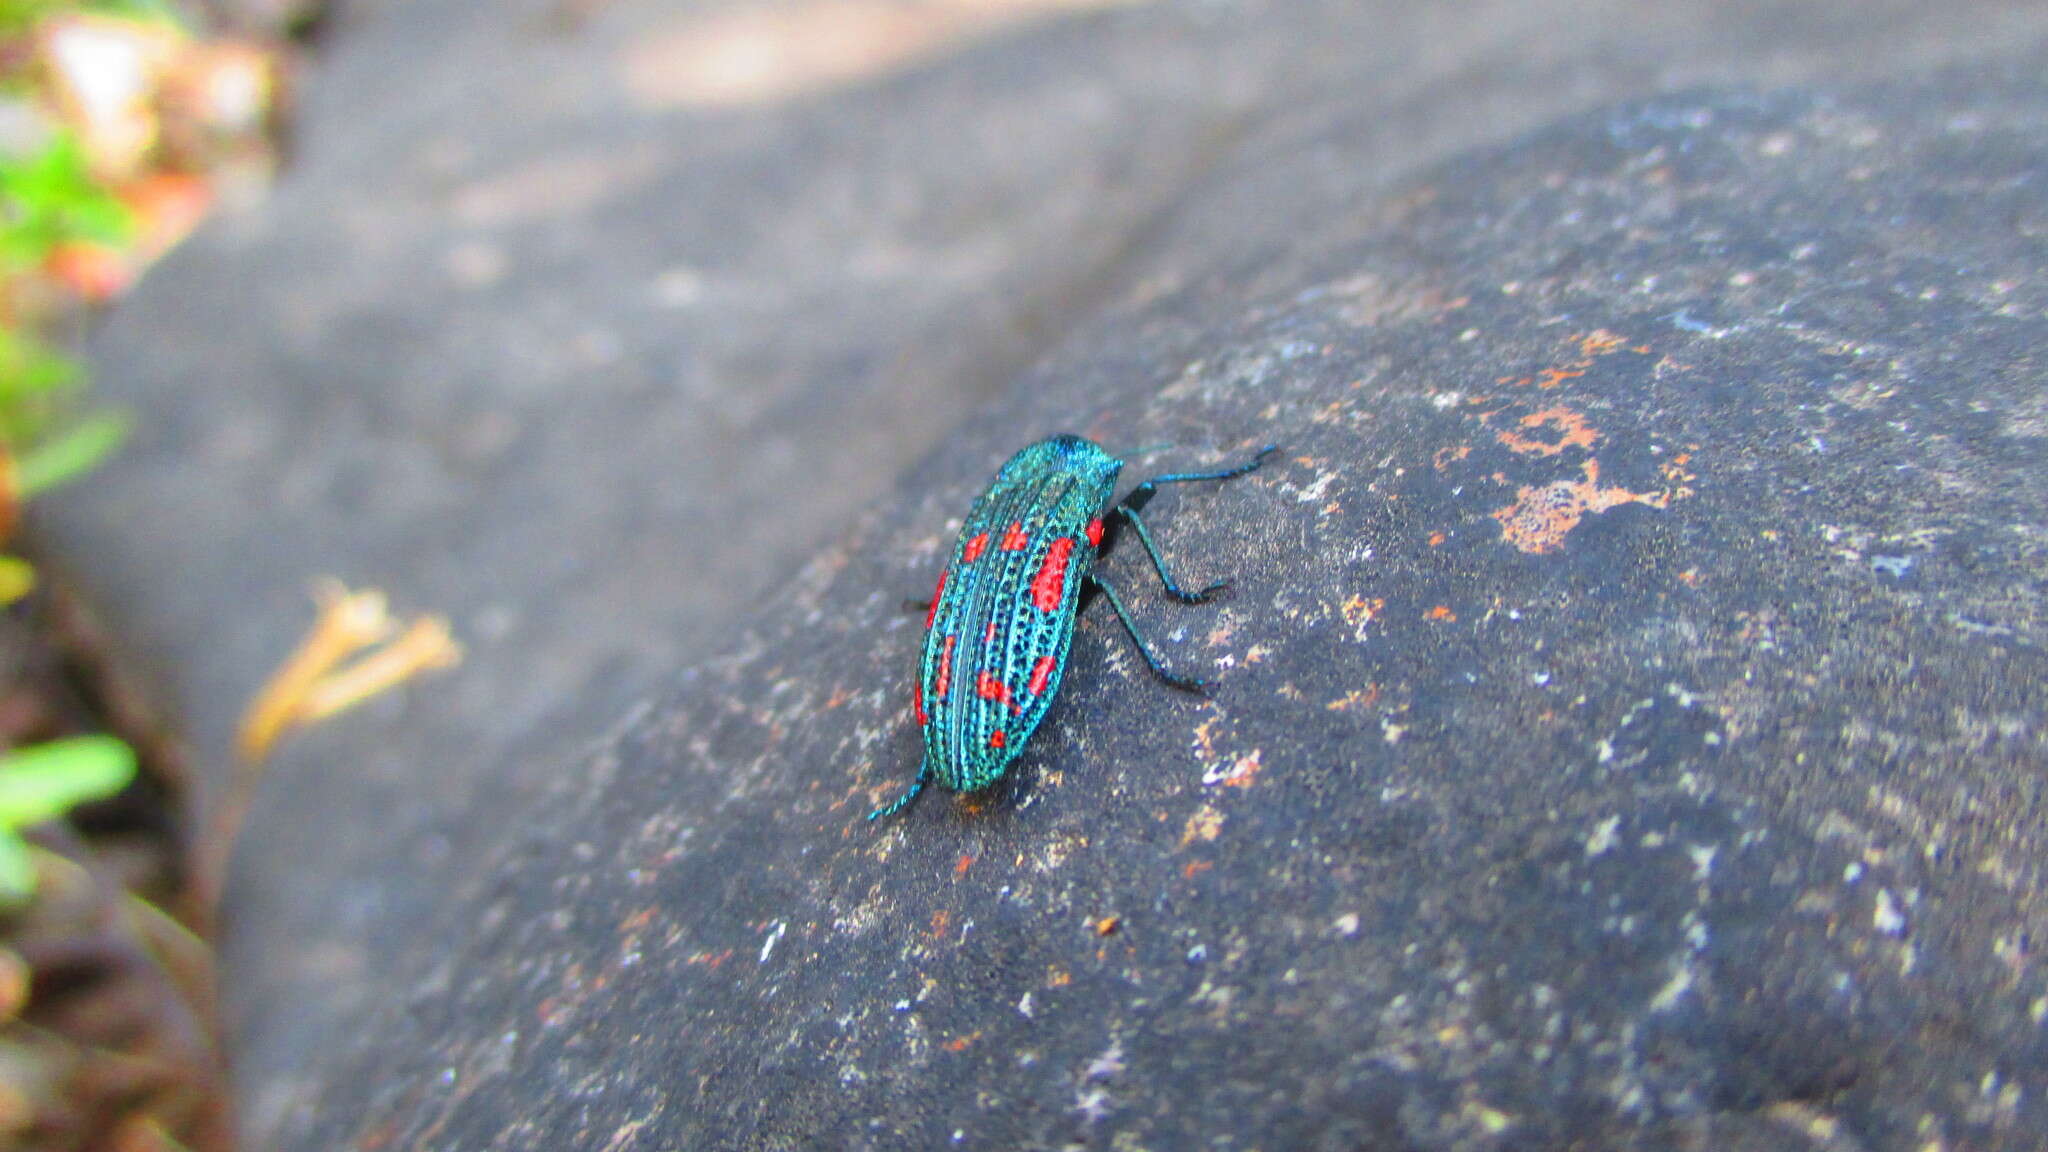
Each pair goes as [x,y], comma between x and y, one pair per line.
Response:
[917,702]
[1041,672]
[1095,532]
[996,739]
[945,673]
[975,547]
[1050,584]
[937,593]
[989,688]
[989,637]
[1013,540]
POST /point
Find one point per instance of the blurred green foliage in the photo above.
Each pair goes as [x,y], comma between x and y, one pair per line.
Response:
[49,199]
[18,17]
[43,783]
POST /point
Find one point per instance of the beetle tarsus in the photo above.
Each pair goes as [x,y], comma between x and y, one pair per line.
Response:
[903,801]
[1184,683]
[1126,510]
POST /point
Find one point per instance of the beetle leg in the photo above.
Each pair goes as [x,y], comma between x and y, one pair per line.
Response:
[1184,683]
[1173,589]
[924,771]
[1127,508]
[1144,492]
[1089,590]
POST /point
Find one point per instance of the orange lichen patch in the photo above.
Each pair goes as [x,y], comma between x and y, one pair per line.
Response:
[1356,698]
[1445,457]
[1359,612]
[1677,480]
[960,1043]
[1690,577]
[1593,345]
[1108,925]
[709,959]
[1441,612]
[1540,518]
[1599,342]
[637,921]
[1058,977]
[961,865]
[1195,868]
[941,920]
[1205,824]
[1572,432]
[1436,539]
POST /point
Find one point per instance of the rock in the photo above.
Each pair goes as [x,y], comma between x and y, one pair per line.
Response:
[1625,729]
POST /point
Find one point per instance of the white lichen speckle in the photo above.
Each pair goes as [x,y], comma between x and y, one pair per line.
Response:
[1106,1065]
[1603,837]
[1093,1104]
[1317,490]
[1885,916]
[1675,988]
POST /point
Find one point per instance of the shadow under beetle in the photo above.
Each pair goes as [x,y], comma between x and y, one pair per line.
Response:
[1000,623]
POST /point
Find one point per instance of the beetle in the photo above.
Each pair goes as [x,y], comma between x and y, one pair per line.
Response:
[1000,623]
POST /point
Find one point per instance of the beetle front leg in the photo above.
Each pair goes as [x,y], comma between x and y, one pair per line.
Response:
[1126,510]
[1184,683]
[1144,492]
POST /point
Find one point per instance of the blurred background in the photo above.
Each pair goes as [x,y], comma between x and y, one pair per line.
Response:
[484,362]
[123,124]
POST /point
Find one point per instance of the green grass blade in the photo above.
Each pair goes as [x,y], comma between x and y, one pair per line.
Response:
[70,453]
[46,781]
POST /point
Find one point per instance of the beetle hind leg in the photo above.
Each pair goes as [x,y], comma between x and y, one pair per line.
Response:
[1184,683]
[924,772]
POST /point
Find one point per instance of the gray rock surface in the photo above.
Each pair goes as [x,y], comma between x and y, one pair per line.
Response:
[1627,729]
